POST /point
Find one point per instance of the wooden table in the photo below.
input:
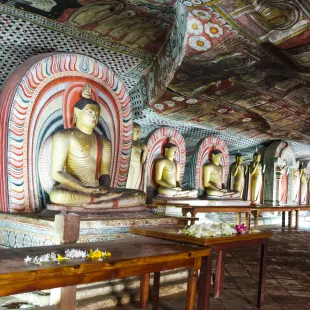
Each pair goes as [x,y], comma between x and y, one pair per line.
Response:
[219,245]
[297,209]
[237,209]
[290,209]
[130,257]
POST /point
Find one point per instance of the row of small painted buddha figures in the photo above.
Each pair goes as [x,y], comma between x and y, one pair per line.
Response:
[167,177]
[82,169]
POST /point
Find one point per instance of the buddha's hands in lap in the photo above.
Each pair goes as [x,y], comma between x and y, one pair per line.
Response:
[177,189]
[96,190]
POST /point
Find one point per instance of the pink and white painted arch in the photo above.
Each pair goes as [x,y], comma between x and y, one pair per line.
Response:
[37,100]
[155,147]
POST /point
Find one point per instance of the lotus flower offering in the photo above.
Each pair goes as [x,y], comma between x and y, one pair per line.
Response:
[241,229]
[206,230]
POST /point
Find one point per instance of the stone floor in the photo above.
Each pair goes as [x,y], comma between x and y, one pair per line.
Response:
[288,276]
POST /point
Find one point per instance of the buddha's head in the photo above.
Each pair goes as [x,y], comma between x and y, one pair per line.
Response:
[170,150]
[86,111]
[239,158]
[216,156]
[257,157]
[136,131]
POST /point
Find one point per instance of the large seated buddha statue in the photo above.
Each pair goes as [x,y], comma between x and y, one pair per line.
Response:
[81,164]
[167,175]
[213,178]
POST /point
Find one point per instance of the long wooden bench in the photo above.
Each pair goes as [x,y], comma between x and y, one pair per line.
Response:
[235,209]
[297,212]
[285,208]
[130,257]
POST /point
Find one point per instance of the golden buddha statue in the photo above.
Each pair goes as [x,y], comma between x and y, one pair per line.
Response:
[213,178]
[256,171]
[238,172]
[167,175]
[81,163]
[137,159]
[303,185]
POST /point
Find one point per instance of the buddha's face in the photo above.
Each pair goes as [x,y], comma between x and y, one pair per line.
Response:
[217,158]
[171,152]
[239,159]
[257,158]
[88,117]
[136,133]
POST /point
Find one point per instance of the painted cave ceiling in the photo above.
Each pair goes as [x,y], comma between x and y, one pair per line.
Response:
[239,68]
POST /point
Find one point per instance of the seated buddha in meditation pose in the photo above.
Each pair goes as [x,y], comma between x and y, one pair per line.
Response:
[213,178]
[167,175]
[81,163]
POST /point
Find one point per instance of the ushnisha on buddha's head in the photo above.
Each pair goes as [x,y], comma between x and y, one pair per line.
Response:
[170,150]
[86,111]
[216,156]
[239,158]
[257,157]
[136,131]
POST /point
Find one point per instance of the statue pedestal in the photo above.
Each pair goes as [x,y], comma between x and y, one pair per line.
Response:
[30,230]
[202,201]
[82,210]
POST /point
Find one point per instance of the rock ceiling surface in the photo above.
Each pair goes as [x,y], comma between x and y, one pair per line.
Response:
[235,68]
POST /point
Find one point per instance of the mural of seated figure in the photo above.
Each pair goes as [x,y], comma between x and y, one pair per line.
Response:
[167,175]
[213,178]
[81,164]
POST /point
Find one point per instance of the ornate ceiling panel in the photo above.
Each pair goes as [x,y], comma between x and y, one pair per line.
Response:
[235,68]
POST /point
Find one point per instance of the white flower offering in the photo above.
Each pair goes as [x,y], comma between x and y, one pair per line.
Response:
[206,230]
[69,254]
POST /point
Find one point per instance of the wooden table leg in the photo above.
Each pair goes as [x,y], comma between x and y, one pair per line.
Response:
[256,219]
[155,291]
[262,273]
[290,219]
[219,275]
[283,218]
[297,218]
[191,289]
[248,219]
[68,298]
[204,288]
[239,218]
[144,290]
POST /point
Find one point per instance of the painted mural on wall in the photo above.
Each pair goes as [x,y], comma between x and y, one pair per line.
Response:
[225,62]
[143,27]
[250,57]
[37,101]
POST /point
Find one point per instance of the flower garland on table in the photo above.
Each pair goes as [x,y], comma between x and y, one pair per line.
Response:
[205,230]
[69,254]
